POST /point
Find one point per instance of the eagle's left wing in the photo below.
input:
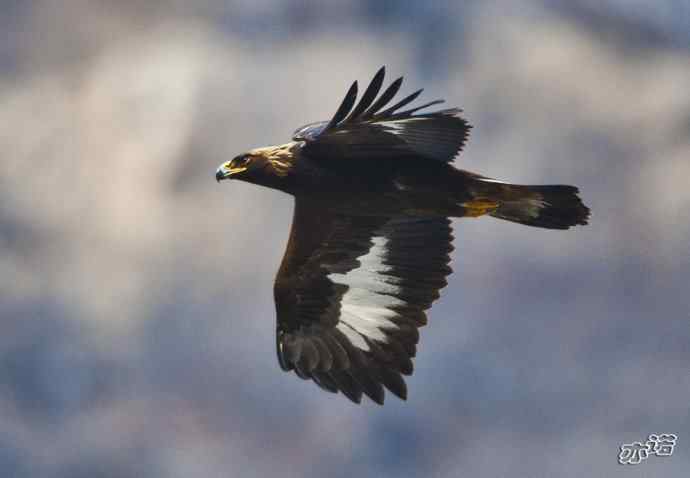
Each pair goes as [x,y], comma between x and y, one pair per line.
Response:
[351,293]
[368,131]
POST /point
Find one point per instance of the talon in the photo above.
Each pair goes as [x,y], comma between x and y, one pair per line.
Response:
[479,207]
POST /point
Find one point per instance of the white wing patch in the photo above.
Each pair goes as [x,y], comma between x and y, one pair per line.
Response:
[364,308]
[398,126]
[353,336]
[489,180]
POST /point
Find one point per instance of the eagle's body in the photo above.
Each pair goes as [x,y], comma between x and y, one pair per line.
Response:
[369,247]
[386,185]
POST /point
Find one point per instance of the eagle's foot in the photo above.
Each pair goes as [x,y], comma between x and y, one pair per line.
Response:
[479,207]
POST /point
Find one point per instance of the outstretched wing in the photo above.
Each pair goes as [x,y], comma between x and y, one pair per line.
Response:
[351,293]
[368,131]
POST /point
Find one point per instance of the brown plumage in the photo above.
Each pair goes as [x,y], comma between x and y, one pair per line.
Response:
[370,241]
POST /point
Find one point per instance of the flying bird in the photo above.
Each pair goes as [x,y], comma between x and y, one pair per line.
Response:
[369,245]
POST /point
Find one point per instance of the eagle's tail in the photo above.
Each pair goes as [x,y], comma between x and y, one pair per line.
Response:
[550,207]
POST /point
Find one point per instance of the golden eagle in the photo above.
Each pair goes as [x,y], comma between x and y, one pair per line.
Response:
[370,241]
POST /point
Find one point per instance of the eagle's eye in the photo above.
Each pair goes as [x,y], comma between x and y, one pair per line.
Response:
[240,161]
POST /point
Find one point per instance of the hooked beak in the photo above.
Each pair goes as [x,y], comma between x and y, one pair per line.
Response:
[224,171]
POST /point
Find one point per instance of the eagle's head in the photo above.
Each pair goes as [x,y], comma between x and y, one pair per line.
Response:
[263,166]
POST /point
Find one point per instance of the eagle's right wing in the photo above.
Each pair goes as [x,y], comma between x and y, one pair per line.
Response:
[351,293]
[368,131]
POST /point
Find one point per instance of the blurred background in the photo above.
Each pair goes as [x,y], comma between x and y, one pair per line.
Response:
[136,309]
